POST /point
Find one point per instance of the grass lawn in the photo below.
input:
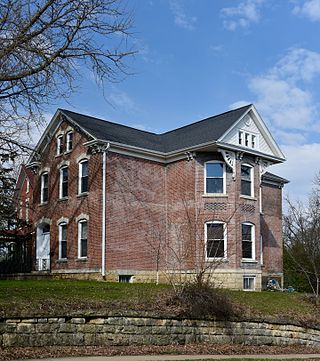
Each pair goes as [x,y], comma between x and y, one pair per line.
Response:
[66,297]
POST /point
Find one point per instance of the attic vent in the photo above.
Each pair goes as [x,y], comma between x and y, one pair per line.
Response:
[215,206]
[248,208]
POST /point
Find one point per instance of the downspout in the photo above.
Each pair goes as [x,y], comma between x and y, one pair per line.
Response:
[104,210]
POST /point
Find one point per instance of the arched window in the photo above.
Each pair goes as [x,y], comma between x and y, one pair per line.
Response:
[69,141]
[83,176]
[44,187]
[60,144]
[248,241]
[63,240]
[216,240]
[215,177]
[247,180]
[63,182]
[83,238]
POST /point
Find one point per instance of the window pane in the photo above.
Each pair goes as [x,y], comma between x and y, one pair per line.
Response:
[84,229]
[245,172]
[248,283]
[246,232]
[215,248]
[63,249]
[65,174]
[246,249]
[84,184]
[45,194]
[83,252]
[245,188]
[215,231]
[63,232]
[214,169]
[214,185]
[84,169]
[45,180]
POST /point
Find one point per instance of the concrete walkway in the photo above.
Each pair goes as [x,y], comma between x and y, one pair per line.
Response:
[183,357]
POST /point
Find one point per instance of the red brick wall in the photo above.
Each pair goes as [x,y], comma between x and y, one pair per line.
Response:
[135,212]
[72,207]
[271,223]
[151,206]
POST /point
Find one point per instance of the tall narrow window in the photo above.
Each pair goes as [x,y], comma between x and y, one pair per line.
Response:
[59,144]
[253,141]
[63,240]
[246,180]
[82,239]
[215,240]
[64,181]
[246,139]
[214,177]
[69,141]
[44,187]
[27,210]
[83,177]
[248,244]
[240,137]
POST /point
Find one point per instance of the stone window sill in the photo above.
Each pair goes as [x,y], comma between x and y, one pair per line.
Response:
[215,195]
[248,197]
[84,194]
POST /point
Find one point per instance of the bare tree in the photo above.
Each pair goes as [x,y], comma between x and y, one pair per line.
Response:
[302,238]
[44,46]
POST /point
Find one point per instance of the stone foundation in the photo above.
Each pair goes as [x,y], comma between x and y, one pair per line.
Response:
[121,330]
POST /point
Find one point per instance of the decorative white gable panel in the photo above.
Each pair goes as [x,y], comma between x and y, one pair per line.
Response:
[251,134]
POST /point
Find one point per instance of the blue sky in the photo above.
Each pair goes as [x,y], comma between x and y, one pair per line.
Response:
[202,57]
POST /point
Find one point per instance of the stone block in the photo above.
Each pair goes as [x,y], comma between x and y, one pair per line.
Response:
[78,320]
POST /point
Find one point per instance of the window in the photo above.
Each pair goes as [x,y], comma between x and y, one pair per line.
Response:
[63,188]
[246,180]
[69,141]
[59,144]
[246,139]
[63,240]
[240,134]
[253,141]
[248,244]
[82,239]
[125,278]
[27,186]
[27,210]
[215,240]
[249,283]
[215,177]
[83,176]
[44,187]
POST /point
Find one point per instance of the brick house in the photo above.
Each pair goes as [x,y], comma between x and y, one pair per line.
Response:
[118,203]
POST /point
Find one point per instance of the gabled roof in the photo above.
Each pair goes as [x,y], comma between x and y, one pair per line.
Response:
[203,135]
[203,131]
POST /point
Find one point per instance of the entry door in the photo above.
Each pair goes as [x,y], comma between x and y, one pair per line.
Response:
[43,248]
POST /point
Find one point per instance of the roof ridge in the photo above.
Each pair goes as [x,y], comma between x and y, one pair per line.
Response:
[157,134]
[210,117]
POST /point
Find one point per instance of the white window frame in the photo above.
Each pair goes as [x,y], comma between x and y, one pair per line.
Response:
[61,196]
[42,187]
[224,188]
[60,144]
[27,185]
[248,139]
[80,225]
[68,142]
[251,180]
[249,277]
[253,241]
[225,241]
[240,137]
[62,224]
[27,209]
[80,191]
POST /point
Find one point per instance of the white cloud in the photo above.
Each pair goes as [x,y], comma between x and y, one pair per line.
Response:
[310,9]
[242,16]
[300,169]
[282,94]
[181,19]
[122,100]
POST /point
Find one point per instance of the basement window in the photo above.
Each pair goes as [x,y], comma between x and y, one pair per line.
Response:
[125,278]
[249,283]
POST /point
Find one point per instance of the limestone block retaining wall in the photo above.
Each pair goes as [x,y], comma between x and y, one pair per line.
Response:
[122,330]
